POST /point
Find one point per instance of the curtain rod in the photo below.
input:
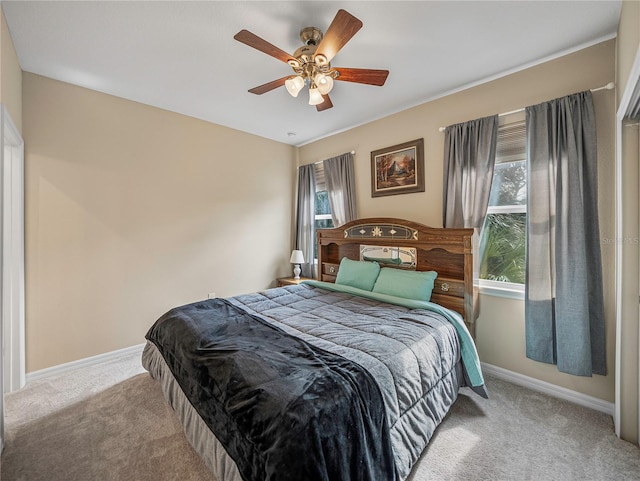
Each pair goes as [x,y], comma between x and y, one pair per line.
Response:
[353,152]
[609,86]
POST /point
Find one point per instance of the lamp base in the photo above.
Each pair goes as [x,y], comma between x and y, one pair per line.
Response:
[296,271]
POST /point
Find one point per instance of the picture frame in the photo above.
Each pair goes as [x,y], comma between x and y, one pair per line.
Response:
[398,169]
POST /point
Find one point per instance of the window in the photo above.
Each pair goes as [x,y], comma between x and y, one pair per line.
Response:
[503,239]
[323,219]
[323,211]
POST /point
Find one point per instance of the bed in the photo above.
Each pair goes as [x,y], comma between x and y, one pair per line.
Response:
[341,378]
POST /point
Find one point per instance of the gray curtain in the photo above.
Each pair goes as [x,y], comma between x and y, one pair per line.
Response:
[341,188]
[564,312]
[305,217]
[469,158]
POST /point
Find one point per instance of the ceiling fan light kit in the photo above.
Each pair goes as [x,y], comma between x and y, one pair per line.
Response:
[311,63]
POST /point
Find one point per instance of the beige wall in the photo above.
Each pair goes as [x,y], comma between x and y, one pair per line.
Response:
[132,210]
[627,48]
[500,328]
[10,75]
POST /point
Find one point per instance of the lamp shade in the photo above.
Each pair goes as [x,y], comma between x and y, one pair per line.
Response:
[324,83]
[297,257]
[294,85]
[315,97]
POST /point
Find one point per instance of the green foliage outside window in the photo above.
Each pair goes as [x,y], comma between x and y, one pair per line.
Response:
[509,186]
[323,208]
[503,243]
[504,248]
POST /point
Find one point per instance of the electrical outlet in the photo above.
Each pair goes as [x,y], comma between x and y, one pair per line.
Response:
[211,295]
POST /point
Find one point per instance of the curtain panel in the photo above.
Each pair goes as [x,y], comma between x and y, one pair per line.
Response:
[305,218]
[341,188]
[564,311]
[469,159]
[633,111]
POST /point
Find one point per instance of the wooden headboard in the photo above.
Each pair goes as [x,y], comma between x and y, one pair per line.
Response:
[449,252]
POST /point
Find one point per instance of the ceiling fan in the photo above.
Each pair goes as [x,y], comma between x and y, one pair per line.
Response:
[311,63]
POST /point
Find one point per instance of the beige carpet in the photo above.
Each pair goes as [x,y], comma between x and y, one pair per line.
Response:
[110,422]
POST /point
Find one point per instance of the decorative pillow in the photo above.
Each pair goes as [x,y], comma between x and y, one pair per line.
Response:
[407,284]
[358,274]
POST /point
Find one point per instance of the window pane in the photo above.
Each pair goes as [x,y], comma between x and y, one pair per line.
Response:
[322,208]
[324,223]
[509,186]
[503,248]
[322,203]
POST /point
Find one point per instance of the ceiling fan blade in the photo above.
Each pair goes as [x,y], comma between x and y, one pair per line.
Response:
[342,28]
[327,104]
[269,86]
[252,40]
[363,76]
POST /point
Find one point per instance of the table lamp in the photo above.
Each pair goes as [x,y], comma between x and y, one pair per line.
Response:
[296,258]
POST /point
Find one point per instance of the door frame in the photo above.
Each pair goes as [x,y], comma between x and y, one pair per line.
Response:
[12,305]
[621,114]
[12,329]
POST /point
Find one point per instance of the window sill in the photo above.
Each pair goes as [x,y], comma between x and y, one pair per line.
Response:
[512,291]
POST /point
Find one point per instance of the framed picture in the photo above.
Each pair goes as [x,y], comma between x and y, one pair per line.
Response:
[398,169]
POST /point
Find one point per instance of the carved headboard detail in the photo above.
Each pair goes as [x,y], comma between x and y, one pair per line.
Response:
[449,252]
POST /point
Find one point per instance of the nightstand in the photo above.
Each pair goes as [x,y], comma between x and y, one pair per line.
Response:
[290,281]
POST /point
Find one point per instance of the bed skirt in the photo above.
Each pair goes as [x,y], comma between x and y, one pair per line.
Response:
[197,432]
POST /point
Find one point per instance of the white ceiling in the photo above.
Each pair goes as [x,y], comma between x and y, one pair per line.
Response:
[181,55]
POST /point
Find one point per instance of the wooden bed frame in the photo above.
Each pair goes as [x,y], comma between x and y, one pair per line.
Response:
[449,252]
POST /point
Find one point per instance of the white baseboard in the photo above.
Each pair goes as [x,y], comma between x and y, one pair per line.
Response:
[550,389]
[88,361]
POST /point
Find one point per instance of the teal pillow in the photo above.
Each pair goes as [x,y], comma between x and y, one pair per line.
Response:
[358,274]
[406,284]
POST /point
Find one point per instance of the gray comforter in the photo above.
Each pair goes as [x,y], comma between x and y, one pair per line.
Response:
[413,354]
